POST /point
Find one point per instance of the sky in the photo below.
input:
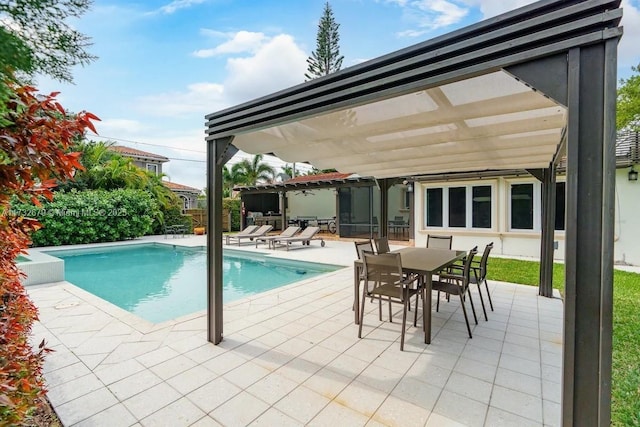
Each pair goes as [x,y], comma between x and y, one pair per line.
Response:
[163,65]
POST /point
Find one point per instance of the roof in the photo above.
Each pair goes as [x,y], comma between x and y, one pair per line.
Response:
[489,96]
[318,177]
[627,148]
[180,187]
[133,152]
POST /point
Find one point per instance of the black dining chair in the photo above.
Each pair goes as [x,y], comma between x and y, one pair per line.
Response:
[458,284]
[384,280]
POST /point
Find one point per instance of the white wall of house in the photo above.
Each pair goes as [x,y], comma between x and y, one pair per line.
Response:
[524,242]
[320,203]
[627,226]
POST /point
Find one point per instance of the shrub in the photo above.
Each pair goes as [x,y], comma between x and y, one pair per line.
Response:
[91,217]
[233,206]
[171,216]
[35,134]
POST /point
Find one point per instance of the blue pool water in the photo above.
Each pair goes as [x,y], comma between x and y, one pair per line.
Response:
[160,282]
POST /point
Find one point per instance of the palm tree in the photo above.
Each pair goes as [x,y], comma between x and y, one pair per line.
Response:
[287,173]
[254,171]
[231,177]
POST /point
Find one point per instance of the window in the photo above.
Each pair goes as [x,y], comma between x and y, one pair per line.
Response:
[522,206]
[153,168]
[560,201]
[406,199]
[434,207]
[526,206]
[459,206]
[481,207]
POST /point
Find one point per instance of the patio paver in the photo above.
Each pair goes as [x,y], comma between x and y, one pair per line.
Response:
[291,356]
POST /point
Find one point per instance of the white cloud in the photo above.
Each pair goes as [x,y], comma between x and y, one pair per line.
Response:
[177,5]
[429,15]
[199,98]
[115,126]
[242,41]
[490,8]
[628,53]
[278,64]
[440,13]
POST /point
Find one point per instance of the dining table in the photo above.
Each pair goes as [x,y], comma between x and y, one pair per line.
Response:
[424,262]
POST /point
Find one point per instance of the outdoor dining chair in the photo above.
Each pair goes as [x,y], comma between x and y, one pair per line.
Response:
[384,280]
[364,245]
[382,245]
[439,242]
[480,275]
[458,284]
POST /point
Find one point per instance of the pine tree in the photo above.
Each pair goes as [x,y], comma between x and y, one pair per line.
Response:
[326,59]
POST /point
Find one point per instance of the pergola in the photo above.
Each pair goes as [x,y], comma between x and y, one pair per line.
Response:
[524,90]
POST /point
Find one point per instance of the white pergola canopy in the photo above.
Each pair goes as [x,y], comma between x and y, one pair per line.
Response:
[492,121]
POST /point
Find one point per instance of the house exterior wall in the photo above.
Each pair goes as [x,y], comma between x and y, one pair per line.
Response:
[511,242]
[142,164]
[627,223]
[320,203]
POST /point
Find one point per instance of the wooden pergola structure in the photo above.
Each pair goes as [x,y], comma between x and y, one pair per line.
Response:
[523,90]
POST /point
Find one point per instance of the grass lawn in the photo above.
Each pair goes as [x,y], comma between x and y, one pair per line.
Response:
[625,406]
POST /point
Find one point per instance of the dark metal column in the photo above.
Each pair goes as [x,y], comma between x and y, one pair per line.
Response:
[548,229]
[219,152]
[383,185]
[586,397]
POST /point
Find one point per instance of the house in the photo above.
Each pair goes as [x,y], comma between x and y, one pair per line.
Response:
[153,163]
[503,207]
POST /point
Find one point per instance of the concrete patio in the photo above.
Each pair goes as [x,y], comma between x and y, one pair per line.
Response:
[291,356]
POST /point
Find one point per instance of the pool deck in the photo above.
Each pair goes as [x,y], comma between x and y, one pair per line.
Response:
[291,357]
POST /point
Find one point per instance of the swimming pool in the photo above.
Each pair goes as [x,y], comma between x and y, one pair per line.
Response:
[159,282]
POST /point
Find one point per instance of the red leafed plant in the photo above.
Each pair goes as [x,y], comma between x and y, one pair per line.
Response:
[34,139]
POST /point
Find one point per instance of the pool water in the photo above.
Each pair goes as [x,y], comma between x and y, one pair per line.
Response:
[160,282]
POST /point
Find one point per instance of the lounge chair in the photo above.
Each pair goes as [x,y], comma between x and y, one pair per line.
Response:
[248,230]
[289,232]
[260,232]
[305,237]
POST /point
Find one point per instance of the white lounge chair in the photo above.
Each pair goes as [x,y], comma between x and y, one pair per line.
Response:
[247,230]
[305,237]
[260,232]
[289,232]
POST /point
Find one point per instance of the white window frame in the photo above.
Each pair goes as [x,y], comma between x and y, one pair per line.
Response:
[537,205]
[153,168]
[469,205]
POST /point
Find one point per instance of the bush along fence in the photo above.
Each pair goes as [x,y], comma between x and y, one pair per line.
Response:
[91,216]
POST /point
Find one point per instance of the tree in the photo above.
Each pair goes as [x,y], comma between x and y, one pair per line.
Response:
[628,114]
[326,59]
[287,173]
[254,171]
[231,177]
[36,38]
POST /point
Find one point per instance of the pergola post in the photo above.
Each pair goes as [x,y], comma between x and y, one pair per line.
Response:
[586,399]
[383,226]
[548,229]
[219,151]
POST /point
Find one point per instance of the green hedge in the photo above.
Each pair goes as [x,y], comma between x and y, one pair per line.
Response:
[171,216]
[233,206]
[92,216]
